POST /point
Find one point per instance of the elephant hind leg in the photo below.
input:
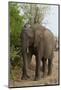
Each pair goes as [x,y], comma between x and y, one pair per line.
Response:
[44,65]
[49,66]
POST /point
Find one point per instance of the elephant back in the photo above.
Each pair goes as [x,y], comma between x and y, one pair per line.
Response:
[38,34]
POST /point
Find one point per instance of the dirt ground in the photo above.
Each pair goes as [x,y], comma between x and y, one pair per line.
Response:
[53,79]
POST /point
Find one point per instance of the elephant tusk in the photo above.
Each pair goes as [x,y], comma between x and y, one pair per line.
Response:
[27,50]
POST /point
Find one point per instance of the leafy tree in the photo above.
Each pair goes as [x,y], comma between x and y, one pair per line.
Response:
[16,24]
[34,13]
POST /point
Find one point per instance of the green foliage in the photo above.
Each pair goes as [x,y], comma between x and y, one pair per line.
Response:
[34,13]
[16,24]
[13,53]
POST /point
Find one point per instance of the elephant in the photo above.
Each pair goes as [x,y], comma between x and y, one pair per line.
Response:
[37,40]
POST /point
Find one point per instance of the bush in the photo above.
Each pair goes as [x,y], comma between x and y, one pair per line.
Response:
[16,24]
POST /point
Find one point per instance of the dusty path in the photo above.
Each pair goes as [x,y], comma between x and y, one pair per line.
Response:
[52,79]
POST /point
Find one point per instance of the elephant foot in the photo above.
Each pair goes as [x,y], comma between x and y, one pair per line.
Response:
[49,73]
[44,76]
[37,78]
[25,77]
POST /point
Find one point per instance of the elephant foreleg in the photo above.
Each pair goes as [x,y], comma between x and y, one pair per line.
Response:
[29,58]
[24,74]
[37,72]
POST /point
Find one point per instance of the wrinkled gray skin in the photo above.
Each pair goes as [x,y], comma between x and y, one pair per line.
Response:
[39,41]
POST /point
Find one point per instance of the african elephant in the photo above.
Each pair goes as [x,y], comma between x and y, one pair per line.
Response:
[39,41]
